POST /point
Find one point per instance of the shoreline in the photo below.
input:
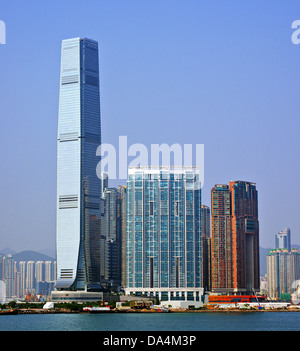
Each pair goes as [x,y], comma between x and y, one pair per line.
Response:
[222,310]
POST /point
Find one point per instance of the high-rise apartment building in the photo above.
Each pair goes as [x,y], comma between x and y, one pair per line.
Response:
[8,275]
[235,238]
[22,270]
[221,240]
[30,276]
[112,215]
[205,221]
[78,187]
[39,271]
[164,246]
[206,247]
[49,271]
[17,282]
[283,269]
[123,206]
[112,231]
[283,239]
[245,236]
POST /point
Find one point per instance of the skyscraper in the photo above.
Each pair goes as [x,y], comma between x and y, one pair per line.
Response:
[123,206]
[78,187]
[206,247]
[245,236]
[205,220]
[8,275]
[39,271]
[283,239]
[235,238]
[164,251]
[283,269]
[113,236]
[30,276]
[221,239]
[22,269]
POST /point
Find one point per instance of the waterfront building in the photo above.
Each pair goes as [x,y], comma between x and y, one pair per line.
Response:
[22,270]
[78,296]
[39,271]
[206,247]
[49,271]
[164,246]
[122,191]
[78,234]
[283,269]
[30,276]
[17,283]
[221,240]
[235,238]
[112,231]
[283,239]
[205,221]
[8,275]
[245,236]
[111,213]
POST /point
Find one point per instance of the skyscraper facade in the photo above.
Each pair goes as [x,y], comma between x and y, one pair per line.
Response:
[123,206]
[221,240]
[78,187]
[206,247]
[283,239]
[283,269]
[205,221]
[112,231]
[30,276]
[164,247]
[235,238]
[8,275]
[245,236]
[22,269]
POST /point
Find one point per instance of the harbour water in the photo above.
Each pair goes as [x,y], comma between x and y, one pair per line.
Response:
[240,321]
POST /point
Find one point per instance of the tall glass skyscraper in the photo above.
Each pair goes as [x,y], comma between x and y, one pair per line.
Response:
[283,239]
[78,187]
[164,251]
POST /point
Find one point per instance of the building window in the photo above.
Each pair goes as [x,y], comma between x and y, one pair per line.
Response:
[151,208]
[176,208]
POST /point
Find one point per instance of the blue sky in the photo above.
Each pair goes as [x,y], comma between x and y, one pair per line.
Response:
[220,73]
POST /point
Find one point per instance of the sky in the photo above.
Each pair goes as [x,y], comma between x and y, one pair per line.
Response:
[225,74]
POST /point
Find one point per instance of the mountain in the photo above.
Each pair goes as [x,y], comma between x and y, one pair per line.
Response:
[29,255]
[7,251]
[48,252]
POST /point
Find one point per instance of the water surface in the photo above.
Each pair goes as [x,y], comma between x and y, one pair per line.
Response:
[256,321]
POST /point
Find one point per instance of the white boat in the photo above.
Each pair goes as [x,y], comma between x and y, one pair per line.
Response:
[97,309]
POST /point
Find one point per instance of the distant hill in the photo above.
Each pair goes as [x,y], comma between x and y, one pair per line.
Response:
[7,251]
[31,256]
